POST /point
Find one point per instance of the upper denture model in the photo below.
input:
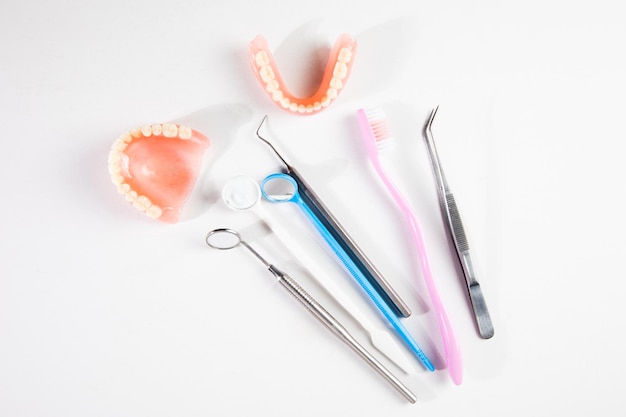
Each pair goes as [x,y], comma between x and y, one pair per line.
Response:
[335,76]
[155,167]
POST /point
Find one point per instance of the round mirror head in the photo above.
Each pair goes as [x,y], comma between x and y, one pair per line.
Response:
[241,193]
[279,188]
[223,239]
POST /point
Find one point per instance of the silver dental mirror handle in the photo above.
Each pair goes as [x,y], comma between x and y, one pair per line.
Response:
[334,326]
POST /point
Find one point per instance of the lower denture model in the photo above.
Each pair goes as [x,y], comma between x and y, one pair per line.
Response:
[335,76]
[156,166]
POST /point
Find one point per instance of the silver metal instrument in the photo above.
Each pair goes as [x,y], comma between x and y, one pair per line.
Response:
[371,273]
[452,219]
[242,193]
[229,239]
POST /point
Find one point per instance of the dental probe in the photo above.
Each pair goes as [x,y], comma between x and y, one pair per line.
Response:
[363,263]
[453,222]
[229,239]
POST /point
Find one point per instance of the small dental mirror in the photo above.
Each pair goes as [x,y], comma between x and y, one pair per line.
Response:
[279,188]
[223,239]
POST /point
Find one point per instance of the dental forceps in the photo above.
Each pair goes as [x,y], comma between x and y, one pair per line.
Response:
[453,222]
[280,188]
[352,250]
[224,239]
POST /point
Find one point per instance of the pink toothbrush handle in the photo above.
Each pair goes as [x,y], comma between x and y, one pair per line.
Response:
[451,345]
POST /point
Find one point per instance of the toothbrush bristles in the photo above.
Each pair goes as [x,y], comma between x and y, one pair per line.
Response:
[380,128]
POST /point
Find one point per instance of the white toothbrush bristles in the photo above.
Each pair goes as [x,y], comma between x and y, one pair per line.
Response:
[380,128]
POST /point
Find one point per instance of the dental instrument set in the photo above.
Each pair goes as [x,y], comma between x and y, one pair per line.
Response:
[280,188]
[376,134]
[156,166]
[224,239]
[242,193]
[454,225]
[330,222]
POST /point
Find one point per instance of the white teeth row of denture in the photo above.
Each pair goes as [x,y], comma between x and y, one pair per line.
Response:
[340,72]
[116,156]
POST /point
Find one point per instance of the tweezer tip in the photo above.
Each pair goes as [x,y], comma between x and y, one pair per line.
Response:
[431,117]
[429,120]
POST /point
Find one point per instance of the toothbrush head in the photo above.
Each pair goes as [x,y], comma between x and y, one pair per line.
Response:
[374,127]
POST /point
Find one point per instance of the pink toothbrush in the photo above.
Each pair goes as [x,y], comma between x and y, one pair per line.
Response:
[373,125]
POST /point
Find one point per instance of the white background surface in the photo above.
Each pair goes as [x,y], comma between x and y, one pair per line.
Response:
[106,312]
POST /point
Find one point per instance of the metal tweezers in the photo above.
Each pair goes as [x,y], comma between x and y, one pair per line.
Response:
[452,219]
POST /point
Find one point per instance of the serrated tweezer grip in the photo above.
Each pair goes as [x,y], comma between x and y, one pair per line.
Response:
[452,219]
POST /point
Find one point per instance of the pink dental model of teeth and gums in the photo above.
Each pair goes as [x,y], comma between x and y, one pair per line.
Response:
[155,167]
[335,76]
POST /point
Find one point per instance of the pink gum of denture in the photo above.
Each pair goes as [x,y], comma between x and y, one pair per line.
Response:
[156,166]
[336,74]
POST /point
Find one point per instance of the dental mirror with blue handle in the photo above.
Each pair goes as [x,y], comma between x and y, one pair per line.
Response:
[282,188]
[340,234]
